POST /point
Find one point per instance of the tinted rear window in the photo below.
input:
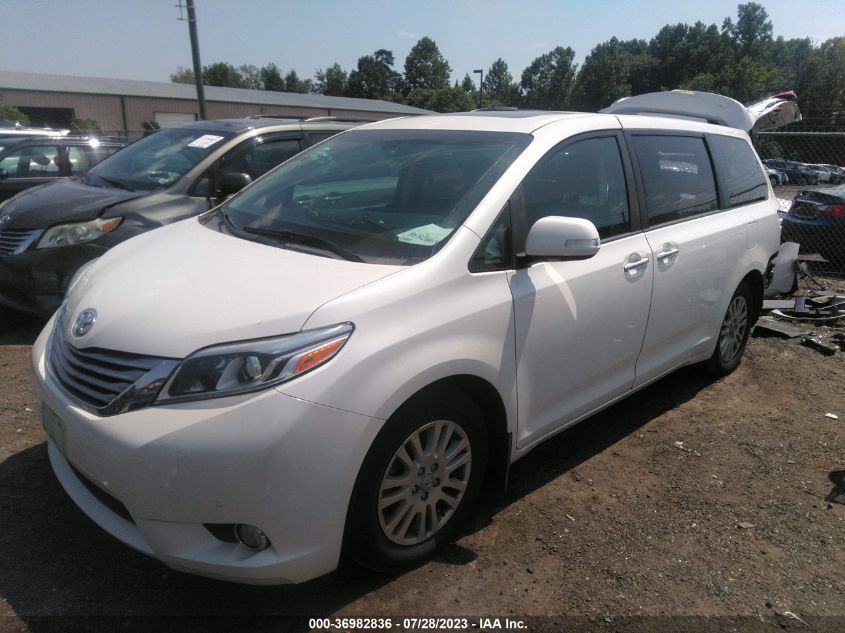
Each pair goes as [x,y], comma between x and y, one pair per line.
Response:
[677,177]
[739,169]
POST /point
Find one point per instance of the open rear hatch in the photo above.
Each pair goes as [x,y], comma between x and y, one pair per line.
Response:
[761,116]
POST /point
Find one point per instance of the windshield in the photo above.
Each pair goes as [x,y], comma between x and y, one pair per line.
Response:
[382,196]
[158,160]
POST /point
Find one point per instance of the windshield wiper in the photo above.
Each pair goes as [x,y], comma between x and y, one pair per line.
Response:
[115,183]
[305,240]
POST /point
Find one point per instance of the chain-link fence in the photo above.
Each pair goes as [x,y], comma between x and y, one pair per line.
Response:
[807,169]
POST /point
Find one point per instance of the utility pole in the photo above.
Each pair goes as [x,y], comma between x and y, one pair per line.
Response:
[195,53]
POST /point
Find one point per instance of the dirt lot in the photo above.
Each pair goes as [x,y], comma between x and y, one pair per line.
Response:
[693,498]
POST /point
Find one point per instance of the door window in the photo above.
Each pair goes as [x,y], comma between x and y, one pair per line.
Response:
[584,179]
[36,161]
[739,169]
[677,177]
[79,161]
[259,157]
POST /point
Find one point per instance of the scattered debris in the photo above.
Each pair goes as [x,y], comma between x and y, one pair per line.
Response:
[679,445]
[570,517]
[789,614]
[818,345]
[745,525]
[771,326]
[832,416]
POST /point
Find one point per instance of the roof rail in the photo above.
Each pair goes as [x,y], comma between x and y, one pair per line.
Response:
[496,109]
[317,119]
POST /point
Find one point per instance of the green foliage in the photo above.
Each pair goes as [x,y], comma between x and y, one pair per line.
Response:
[332,81]
[271,78]
[294,84]
[448,99]
[425,67]
[547,82]
[85,125]
[250,76]
[741,59]
[374,78]
[499,85]
[222,74]
[182,76]
[11,113]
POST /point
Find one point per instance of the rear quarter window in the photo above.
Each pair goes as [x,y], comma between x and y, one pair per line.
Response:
[738,167]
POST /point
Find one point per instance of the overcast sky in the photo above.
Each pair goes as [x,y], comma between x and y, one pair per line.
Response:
[142,39]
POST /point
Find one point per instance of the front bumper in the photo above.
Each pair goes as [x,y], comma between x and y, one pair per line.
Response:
[36,280]
[283,464]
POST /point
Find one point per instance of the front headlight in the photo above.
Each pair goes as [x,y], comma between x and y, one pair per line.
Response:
[77,233]
[235,368]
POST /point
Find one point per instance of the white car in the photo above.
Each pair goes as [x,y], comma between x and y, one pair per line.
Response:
[335,358]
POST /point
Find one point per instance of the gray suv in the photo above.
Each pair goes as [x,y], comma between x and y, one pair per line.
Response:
[47,233]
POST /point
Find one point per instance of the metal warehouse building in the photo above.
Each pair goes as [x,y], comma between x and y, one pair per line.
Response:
[124,104]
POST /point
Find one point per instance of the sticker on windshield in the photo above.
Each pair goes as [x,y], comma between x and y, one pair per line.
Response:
[427,235]
[205,141]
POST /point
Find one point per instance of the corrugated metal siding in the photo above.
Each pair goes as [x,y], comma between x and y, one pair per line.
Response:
[106,110]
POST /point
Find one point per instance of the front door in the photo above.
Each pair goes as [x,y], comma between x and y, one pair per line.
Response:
[579,323]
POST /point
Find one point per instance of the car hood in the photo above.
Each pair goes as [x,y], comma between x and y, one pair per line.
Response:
[176,289]
[64,201]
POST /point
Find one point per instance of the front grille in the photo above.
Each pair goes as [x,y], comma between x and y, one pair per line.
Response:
[96,377]
[14,241]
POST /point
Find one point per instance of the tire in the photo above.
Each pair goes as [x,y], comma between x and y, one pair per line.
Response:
[437,505]
[733,333]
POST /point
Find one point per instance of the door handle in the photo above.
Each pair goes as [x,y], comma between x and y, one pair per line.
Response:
[666,254]
[634,265]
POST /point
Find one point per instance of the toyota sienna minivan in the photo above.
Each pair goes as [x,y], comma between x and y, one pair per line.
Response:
[333,360]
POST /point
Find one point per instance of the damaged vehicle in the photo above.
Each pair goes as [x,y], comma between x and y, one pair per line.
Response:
[816,220]
[333,360]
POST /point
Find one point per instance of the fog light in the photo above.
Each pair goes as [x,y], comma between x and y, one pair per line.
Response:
[251,537]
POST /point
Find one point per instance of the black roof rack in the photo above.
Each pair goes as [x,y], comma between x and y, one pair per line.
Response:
[337,119]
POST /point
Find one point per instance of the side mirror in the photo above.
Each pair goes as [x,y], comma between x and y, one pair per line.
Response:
[3,174]
[557,236]
[233,182]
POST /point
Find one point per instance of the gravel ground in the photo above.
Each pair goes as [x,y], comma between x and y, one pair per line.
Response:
[693,505]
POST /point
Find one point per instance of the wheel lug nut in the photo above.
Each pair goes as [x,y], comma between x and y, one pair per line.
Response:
[433,467]
[436,482]
[424,496]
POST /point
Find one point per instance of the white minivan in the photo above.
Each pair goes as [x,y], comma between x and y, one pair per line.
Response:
[333,359]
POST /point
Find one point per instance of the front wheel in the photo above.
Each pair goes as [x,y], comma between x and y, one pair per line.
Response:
[734,332]
[418,481]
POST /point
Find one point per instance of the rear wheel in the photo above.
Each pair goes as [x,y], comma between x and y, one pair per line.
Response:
[418,481]
[734,332]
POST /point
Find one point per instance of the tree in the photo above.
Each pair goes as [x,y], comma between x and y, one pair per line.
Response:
[448,99]
[374,77]
[547,83]
[425,67]
[222,74]
[250,76]
[499,84]
[332,81]
[468,84]
[753,28]
[182,76]
[604,76]
[271,78]
[294,84]
[84,125]
[12,114]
